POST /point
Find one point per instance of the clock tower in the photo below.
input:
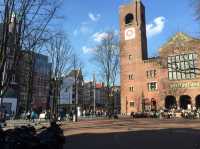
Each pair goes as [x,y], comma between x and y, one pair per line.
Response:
[133,50]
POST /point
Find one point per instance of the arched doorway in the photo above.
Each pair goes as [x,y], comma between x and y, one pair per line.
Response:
[185,100]
[197,101]
[170,102]
[153,105]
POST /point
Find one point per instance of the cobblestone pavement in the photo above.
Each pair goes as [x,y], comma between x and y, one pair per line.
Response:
[135,134]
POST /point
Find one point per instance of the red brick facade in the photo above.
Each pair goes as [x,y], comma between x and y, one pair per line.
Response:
[149,82]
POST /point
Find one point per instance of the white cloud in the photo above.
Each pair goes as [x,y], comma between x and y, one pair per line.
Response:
[94,17]
[87,50]
[99,36]
[156,27]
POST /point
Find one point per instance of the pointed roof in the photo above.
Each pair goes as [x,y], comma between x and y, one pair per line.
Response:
[179,39]
[78,72]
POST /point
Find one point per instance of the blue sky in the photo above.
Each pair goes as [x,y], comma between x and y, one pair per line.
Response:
[85,21]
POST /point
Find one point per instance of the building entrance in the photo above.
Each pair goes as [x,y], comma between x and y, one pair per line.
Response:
[197,102]
[170,102]
[153,105]
[185,100]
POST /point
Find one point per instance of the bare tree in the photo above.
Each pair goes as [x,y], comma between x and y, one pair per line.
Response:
[59,50]
[23,25]
[107,57]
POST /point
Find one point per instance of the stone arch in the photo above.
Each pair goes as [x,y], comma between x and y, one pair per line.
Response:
[129,18]
[185,100]
[197,101]
[170,102]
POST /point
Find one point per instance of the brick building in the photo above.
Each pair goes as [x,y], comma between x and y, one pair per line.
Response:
[170,80]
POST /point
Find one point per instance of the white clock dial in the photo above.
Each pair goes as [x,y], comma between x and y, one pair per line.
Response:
[130,33]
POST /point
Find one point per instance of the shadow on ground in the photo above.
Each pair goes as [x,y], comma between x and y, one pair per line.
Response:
[153,139]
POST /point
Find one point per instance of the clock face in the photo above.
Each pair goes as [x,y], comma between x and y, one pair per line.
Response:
[129,33]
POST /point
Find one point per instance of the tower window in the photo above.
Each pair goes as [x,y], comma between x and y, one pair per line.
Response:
[131,89]
[151,74]
[132,104]
[152,86]
[129,18]
[130,57]
[131,77]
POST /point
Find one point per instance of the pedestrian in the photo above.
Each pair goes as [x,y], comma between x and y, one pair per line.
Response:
[33,116]
[83,113]
[28,116]
[71,115]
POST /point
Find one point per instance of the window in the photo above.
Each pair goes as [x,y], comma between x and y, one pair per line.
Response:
[130,57]
[131,89]
[182,66]
[132,104]
[151,74]
[130,77]
[152,86]
[129,19]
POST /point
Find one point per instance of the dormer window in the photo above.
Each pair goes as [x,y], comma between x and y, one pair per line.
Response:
[129,19]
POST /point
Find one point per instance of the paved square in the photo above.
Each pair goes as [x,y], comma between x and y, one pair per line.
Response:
[134,134]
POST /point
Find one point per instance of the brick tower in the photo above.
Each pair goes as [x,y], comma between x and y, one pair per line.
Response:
[133,50]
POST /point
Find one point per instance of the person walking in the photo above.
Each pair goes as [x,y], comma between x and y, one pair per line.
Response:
[33,116]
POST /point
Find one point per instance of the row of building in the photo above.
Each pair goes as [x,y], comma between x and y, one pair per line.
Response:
[31,88]
[30,84]
[34,92]
[90,95]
